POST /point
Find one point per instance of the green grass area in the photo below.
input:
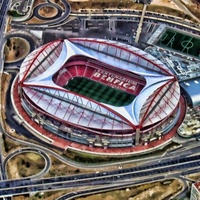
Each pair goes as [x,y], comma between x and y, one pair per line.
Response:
[14,13]
[180,42]
[99,92]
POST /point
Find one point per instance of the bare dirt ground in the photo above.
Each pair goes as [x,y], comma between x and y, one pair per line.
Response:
[24,165]
[166,3]
[153,191]
[195,176]
[48,11]
[16,49]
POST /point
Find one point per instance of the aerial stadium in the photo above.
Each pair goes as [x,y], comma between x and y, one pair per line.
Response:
[99,93]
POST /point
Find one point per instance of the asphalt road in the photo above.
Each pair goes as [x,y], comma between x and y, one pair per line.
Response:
[4,5]
[166,168]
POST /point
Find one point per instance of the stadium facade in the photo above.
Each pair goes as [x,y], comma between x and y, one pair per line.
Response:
[99,93]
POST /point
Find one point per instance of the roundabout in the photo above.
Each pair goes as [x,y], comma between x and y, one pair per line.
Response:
[48,11]
[16,49]
[17,46]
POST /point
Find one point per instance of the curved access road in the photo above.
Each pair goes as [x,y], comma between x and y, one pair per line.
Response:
[61,18]
[40,6]
[45,156]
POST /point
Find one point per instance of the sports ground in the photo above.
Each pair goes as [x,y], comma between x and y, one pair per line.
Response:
[180,42]
[99,92]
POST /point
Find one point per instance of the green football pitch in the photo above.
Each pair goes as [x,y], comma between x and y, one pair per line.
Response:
[180,42]
[99,92]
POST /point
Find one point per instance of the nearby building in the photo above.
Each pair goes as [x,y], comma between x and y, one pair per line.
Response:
[143,1]
[99,93]
[195,191]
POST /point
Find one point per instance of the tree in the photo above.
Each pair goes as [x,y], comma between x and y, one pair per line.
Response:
[10,12]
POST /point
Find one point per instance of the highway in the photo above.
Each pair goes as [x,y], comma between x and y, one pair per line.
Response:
[137,14]
[4,5]
[166,168]
[116,15]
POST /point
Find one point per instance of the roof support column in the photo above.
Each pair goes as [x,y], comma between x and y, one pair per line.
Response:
[137,137]
[111,25]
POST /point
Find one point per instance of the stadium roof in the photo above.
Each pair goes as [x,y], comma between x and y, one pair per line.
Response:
[192,88]
[156,101]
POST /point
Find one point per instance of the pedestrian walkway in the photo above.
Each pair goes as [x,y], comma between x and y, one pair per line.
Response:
[156,34]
